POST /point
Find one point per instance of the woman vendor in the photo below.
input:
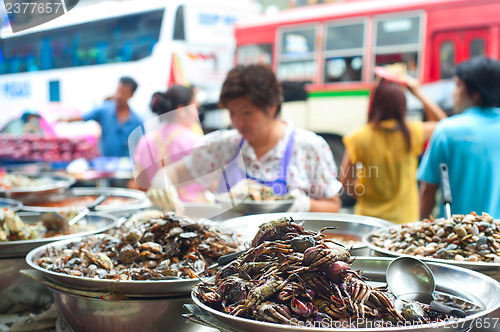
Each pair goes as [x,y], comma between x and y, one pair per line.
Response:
[273,152]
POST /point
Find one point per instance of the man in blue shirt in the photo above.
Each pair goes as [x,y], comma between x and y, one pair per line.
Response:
[469,143]
[116,118]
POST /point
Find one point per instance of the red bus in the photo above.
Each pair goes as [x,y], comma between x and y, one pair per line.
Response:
[333,49]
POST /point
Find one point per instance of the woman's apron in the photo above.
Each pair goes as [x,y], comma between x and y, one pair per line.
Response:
[232,174]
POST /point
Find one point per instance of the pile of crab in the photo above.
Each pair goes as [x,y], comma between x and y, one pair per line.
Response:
[293,276]
[157,248]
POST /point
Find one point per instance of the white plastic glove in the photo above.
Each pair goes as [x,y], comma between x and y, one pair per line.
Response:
[163,194]
[302,203]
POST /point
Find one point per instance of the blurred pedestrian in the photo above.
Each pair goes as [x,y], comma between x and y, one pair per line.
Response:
[468,143]
[381,158]
[177,135]
[116,118]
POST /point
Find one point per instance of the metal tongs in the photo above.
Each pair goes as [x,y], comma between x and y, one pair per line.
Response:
[445,190]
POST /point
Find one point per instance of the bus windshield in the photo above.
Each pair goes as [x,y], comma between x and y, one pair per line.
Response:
[117,39]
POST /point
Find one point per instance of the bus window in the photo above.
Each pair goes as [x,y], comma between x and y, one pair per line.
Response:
[477,47]
[397,44]
[447,59]
[255,53]
[344,53]
[179,29]
[121,39]
[398,31]
[296,55]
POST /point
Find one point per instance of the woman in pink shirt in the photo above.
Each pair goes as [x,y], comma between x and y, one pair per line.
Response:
[178,134]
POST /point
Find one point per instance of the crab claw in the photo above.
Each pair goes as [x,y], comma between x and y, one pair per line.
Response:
[208,295]
[301,308]
[337,268]
[284,296]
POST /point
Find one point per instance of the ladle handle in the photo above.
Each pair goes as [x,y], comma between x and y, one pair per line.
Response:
[436,306]
[223,260]
[445,189]
[89,208]
[98,201]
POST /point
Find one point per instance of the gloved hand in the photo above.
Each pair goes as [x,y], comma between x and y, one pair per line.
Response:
[163,194]
[302,203]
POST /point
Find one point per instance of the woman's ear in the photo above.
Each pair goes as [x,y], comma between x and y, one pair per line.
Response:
[272,111]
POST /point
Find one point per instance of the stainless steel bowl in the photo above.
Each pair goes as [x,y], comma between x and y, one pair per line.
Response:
[347,224]
[255,207]
[469,285]
[89,314]
[131,288]
[490,269]
[101,222]
[215,212]
[208,211]
[54,183]
[139,200]
[11,204]
[17,291]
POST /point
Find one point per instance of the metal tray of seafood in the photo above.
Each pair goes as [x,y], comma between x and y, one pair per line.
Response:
[51,183]
[346,224]
[101,221]
[136,199]
[255,207]
[451,280]
[11,204]
[490,269]
[130,288]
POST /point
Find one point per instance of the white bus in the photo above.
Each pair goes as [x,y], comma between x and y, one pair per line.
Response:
[73,62]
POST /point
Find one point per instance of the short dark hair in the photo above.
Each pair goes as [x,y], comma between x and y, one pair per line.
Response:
[125,80]
[175,96]
[481,75]
[256,82]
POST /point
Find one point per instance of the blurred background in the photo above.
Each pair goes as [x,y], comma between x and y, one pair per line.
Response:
[324,53]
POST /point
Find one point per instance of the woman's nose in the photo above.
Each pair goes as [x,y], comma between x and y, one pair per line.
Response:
[236,121]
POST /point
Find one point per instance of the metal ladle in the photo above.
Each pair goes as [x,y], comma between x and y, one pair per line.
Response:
[410,279]
[52,220]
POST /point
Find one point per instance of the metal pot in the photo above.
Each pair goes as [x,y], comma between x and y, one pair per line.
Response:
[131,288]
[489,268]
[469,285]
[347,224]
[215,212]
[18,292]
[246,207]
[88,314]
[54,184]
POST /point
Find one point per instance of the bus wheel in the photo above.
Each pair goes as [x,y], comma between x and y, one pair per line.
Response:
[337,147]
